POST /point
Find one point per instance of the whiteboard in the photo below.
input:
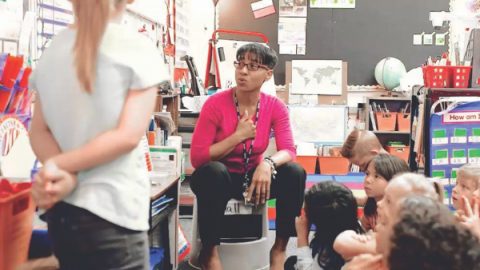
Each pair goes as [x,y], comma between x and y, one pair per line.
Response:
[323,124]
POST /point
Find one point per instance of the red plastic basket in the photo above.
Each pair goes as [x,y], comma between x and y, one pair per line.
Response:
[437,76]
[16,223]
[447,76]
[461,76]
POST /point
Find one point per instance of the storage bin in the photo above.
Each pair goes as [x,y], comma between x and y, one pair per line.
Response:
[461,76]
[403,122]
[16,217]
[437,76]
[447,76]
[308,163]
[333,165]
[386,121]
[400,151]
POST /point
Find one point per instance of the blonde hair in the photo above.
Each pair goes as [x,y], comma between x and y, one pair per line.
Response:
[349,144]
[419,185]
[91,19]
[359,143]
[470,170]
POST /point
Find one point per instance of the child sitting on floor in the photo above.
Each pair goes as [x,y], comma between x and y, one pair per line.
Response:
[349,244]
[400,187]
[379,172]
[465,197]
[468,181]
[332,208]
[381,169]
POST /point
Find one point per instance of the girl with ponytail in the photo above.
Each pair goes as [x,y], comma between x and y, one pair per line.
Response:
[96,89]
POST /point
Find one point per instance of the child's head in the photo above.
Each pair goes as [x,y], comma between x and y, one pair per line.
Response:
[361,147]
[397,189]
[468,181]
[332,208]
[91,19]
[426,236]
[379,172]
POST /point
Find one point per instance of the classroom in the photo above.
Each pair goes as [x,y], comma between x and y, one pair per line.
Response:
[239,134]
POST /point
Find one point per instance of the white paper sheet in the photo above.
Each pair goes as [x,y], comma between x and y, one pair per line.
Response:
[321,77]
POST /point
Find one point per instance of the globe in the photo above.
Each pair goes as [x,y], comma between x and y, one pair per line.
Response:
[389,71]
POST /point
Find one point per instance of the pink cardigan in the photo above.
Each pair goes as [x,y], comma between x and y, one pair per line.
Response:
[218,120]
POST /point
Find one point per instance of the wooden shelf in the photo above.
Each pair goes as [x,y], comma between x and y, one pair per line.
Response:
[173,106]
[393,104]
[392,98]
[392,132]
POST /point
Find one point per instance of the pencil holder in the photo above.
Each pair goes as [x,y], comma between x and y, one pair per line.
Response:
[403,122]
[386,121]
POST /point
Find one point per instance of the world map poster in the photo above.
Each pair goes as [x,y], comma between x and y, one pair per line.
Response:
[317,77]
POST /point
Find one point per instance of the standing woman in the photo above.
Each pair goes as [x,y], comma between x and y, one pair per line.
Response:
[230,138]
[96,93]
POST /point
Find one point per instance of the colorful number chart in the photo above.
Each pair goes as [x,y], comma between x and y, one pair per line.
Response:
[455,140]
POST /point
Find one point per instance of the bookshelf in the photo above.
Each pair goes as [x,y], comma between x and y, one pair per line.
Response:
[389,118]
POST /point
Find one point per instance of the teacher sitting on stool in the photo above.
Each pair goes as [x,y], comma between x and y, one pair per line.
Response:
[230,137]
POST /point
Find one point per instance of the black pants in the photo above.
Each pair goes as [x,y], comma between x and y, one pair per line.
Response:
[214,186]
[82,240]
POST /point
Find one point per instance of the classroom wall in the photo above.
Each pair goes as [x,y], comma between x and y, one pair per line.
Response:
[201,28]
[360,36]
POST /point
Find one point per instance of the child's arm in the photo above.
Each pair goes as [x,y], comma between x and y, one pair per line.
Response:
[101,149]
[350,244]
[304,254]
[113,143]
[471,219]
[43,143]
[365,261]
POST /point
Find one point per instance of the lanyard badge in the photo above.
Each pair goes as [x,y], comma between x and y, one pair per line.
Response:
[246,154]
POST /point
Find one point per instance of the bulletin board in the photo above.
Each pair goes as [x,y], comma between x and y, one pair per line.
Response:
[361,36]
[454,139]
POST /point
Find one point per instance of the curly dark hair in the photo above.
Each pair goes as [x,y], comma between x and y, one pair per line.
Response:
[428,237]
[386,166]
[265,55]
[332,208]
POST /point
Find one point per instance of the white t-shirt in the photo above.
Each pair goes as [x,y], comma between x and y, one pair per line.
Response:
[118,191]
[305,260]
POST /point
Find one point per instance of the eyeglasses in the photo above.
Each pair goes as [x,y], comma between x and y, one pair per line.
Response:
[250,66]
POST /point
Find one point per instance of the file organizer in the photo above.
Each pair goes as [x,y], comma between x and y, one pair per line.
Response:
[12,68]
